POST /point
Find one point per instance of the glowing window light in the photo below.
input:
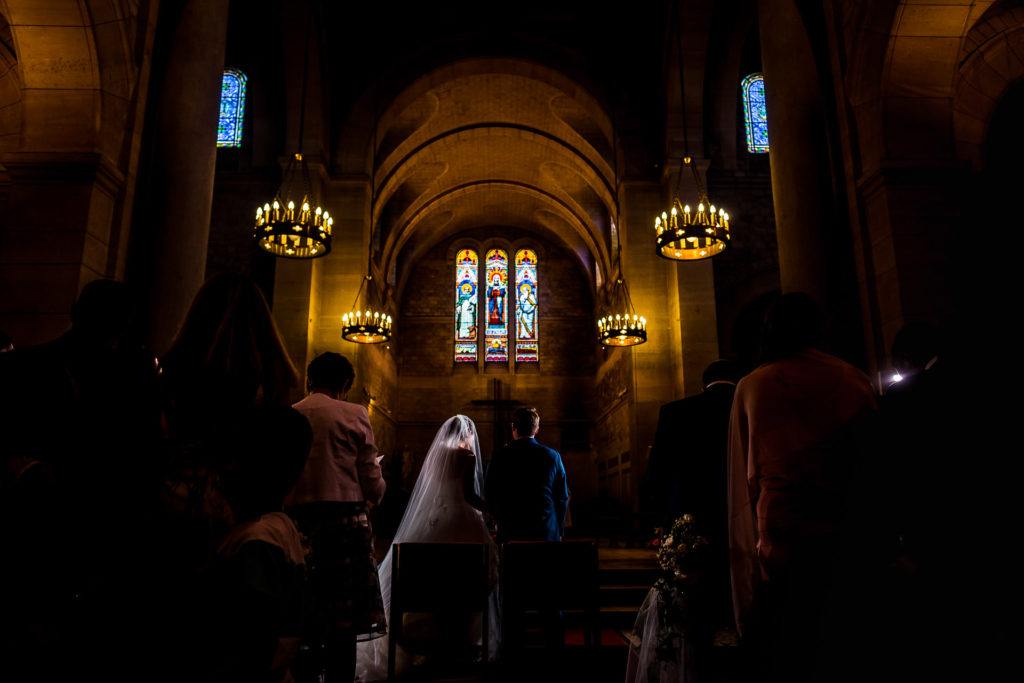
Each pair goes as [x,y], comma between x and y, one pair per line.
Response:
[526,306]
[466,266]
[232,109]
[496,331]
[755,113]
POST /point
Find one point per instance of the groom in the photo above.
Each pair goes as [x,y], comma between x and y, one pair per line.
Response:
[525,485]
[526,491]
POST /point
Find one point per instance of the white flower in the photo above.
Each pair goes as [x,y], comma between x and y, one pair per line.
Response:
[668,541]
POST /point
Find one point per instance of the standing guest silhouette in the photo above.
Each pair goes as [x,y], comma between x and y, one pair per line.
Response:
[799,426]
[330,502]
[79,425]
[228,355]
[687,474]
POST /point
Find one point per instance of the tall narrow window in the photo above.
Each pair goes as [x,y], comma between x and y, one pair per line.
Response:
[526,306]
[232,109]
[496,334]
[755,113]
[466,264]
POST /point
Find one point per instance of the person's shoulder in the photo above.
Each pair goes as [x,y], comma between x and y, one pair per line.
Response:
[550,452]
[759,375]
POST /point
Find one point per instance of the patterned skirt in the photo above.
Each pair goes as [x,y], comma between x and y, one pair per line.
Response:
[344,592]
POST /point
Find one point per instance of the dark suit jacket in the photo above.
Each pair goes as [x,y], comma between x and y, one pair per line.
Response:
[526,491]
[687,468]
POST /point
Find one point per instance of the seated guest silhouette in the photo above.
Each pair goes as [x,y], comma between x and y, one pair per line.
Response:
[250,621]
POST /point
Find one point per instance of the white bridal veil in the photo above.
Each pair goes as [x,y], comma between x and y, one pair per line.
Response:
[437,512]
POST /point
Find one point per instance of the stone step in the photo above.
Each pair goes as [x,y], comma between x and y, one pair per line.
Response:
[623,594]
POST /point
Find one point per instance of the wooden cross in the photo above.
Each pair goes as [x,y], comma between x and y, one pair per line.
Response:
[502,413]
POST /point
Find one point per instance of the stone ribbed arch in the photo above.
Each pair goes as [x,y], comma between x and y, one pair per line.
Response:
[506,203]
[920,76]
[10,91]
[487,123]
[992,61]
[483,153]
[397,113]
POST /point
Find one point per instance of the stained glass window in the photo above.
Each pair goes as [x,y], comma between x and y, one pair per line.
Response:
[232,109]
[526,306]
[466,263]
[755,113]
[496,332]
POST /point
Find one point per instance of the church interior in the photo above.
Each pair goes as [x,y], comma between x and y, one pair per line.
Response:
[864,151]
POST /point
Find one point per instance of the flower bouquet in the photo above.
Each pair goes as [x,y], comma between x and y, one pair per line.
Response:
[660,649]
[678,549]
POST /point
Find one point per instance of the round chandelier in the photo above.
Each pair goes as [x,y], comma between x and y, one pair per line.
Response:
[283,230]
[627,329]
[366,327]
[682,234]
[685,235]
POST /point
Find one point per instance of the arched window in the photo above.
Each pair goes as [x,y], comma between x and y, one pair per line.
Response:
[466,264]
[755,113]
[232,109]
[496,332]
[526,306]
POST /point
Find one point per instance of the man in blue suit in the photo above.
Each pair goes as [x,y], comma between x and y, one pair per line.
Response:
[525,485]
[526,491]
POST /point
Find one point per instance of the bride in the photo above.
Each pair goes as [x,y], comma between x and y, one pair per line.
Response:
[445,507]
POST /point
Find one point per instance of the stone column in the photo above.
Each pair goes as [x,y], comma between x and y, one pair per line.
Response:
[177,212]
[799,162]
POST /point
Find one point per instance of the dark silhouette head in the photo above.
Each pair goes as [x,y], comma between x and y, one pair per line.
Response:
[792,324]
[6,343]
[266,451]
[103,314]
[330,373]
[721,370]
[526,421]
[229,338]
[915,345]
